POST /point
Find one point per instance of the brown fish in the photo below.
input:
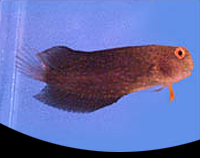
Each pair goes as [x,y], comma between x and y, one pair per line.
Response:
[82,81]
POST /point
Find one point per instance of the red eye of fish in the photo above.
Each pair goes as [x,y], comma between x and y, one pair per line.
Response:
[180,53]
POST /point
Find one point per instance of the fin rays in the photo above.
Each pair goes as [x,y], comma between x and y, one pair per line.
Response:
[28,64]
[61,99]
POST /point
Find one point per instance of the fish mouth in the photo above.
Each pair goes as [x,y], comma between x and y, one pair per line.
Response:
[183,76]
[186,73]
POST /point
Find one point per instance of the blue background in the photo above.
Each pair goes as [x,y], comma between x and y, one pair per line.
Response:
[140,121]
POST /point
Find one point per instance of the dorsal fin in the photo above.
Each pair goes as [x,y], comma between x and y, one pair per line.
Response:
[58,57]
[59,98]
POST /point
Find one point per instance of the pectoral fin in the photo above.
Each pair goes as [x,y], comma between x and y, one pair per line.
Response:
[159,89]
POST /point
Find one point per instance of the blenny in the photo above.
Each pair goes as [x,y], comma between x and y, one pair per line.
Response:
[81,81]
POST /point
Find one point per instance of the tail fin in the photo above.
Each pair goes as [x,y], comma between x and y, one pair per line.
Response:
[28,64]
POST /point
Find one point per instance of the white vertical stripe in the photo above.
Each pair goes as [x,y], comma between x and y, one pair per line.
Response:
[18,42]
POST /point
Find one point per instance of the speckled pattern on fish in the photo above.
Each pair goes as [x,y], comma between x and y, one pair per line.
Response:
[80,81]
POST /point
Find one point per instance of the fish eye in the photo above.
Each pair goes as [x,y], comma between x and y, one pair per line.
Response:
[179,53]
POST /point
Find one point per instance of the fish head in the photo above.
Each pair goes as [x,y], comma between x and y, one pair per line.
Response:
[175,64]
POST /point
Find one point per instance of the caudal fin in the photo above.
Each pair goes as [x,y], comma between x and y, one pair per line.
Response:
[28,64]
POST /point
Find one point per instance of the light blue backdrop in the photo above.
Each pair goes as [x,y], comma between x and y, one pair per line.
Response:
[139,121]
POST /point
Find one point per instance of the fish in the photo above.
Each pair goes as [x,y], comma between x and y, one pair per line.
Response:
[86,81]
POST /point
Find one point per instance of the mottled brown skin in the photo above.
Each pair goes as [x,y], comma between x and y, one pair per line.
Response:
[86,81]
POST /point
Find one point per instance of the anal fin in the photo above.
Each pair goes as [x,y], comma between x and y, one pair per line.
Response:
[59,98]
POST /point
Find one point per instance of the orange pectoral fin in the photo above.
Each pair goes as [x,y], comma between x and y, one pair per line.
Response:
[171,95]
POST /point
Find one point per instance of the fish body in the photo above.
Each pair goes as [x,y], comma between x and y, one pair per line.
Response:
[82,81]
